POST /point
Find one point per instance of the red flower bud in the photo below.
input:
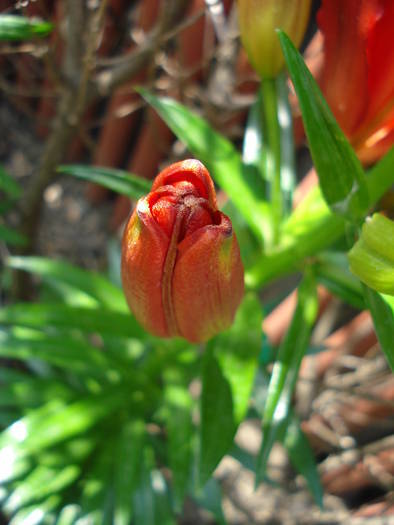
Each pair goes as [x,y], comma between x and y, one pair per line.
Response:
[181,268]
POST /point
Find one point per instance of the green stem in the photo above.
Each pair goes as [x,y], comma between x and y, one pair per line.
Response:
[312,227]
[272,145]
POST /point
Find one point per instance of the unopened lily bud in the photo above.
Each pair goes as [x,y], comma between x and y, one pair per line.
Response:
[258,20]
[181,268]
[372,257]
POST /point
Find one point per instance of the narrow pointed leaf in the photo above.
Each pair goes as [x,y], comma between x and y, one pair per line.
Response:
[382,311]
[98,320]
[128,456]
[178,405]
[116,180]
[94,284]
[217,419]
[14,27]
[285,371]
[340,173]
[237,351]
[302,457]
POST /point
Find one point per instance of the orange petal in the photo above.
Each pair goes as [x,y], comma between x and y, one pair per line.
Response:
[208,281]
[144,248]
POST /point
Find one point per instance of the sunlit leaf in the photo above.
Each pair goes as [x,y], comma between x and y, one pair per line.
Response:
[340,173]
[217,418]
[178,417]
[14,27]
[98,320]
[94,284]
[116,180]
[237,351]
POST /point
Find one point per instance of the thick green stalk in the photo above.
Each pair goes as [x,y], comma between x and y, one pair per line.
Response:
[312,227]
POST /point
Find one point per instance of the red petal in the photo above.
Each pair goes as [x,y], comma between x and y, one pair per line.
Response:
[344,77]
[380,54]
[190,170]
[144,248]
[207,284]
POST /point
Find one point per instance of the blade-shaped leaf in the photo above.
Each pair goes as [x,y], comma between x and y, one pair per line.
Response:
[178,416]
[285,371]
[237,351]
[382,311]
[42,482]
[223,161]
[53,423]
[217,419]
[94,284]
[97,320]
[116,180]
[14,27]
[340,173]
[302,457]
[62,351]
[127,466]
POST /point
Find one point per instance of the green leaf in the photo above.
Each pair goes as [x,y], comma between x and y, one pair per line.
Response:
[302,457]
[217,420]
[151,499]
[382,311]
[94,284]
[97,320]
[27,391]
[285,371]
[178,417]
[62,351]
[53,423]
[116,180]
[11,236]
[68,515]
[8,184]
[128,456]
[210,498]
[42,482]
[332,271]
[14,27]
[237,351]
[41,514]
[340,173]
[222,160]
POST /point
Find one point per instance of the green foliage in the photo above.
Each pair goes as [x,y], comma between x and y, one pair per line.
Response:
[14,27]
[116,180]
